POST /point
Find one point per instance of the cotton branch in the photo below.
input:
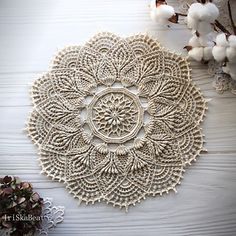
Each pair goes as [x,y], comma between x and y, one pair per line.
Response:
[231,17]
[221,27]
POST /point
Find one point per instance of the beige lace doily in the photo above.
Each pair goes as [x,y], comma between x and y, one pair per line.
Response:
[117,119]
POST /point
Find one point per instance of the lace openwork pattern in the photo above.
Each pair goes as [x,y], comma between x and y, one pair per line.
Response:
[117,119]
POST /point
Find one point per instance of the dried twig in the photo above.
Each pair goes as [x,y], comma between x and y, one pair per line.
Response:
[231,17]
[221,27]
[204,1]
[160,2]
[181,14]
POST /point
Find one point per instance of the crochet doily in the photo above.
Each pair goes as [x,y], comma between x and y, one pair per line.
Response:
[51,216]
[117,119]
[222,82]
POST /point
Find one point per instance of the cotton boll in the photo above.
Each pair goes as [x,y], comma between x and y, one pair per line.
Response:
[231,54]
[162,21]
[219,53]
[204,27]
[165,11]
[194,10]
[207,53]
[153,14]
[194,42]
[221,40]
[192,23]
[185,20]
[196,53]
[206,41]
[201,16]
[209,13]
[214,11]
[232,41]
[162,13]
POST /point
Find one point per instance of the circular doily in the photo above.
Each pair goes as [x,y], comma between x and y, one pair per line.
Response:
[117,119]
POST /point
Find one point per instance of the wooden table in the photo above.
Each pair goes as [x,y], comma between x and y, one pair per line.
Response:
[30,33]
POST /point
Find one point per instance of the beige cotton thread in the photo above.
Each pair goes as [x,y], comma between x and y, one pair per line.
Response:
[85,158]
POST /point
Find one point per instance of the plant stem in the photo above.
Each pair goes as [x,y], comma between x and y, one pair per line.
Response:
[221,27]
[181,14]
[231,17]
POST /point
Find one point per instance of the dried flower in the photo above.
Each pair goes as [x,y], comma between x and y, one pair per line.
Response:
[18,205]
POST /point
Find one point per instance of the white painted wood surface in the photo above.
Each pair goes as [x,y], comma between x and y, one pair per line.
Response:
[30,33]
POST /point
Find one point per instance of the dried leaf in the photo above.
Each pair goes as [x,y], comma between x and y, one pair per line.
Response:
[174,18]
[25,185]
[35,197]
[17,180]
[160,2]
[188,48]
[8,190]
[7,224]
[21,200]
[7,179]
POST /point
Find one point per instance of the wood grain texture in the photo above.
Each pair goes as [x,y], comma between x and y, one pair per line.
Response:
[30,33]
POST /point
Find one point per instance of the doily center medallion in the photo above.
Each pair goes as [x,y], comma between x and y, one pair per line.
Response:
[115,115]
[126,165]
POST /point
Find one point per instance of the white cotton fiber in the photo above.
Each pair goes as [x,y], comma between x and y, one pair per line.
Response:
[194,10]
[162,13]
[153,14]
[232,41]
[206,41]
[196,53]
[231,54]
[165,11]
[221,40]
[207,53]
[194,41]
[201,16]
[209,13]
[205,12]
[219,53]
[204,28]
[192,23]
